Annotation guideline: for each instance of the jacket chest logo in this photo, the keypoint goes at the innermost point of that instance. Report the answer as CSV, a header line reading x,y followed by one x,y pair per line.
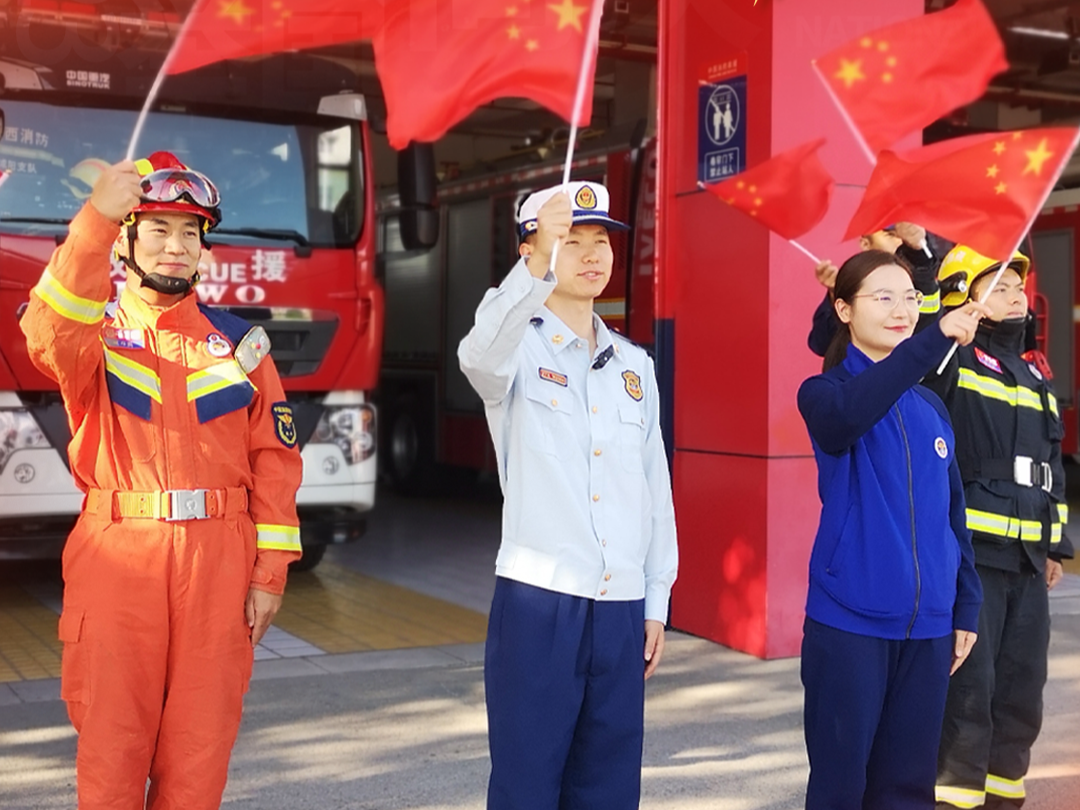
x,y
116,338
553,376
941,447
988,361
633,385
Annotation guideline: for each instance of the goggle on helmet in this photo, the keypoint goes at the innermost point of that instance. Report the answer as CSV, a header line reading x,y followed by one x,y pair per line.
x,y
169,185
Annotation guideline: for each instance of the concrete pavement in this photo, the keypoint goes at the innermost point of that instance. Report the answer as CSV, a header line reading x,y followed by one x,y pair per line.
x,y
384,730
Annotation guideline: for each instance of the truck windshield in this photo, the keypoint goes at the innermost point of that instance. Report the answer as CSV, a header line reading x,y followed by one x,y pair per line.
x,y
279,182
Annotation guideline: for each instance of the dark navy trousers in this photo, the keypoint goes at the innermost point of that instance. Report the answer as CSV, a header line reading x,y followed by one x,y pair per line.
x,y
565,682
873,711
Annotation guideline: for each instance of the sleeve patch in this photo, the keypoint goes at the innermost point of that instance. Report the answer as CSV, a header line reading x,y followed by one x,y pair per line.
x,y
284,423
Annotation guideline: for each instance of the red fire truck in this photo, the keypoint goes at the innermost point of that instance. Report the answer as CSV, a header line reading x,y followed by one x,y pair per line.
x,y
287,142
431,414
1054,243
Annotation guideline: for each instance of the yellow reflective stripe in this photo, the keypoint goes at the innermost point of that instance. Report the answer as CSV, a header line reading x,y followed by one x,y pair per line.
x,y
1053,404
1063,512
1055,534
214,378
282,538
138,377
143,167
959,797
989,523
995,389
67,304
930,304
1030,531
1009,788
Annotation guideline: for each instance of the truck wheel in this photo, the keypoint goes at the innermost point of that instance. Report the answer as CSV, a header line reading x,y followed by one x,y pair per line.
x,y
313,554
411,454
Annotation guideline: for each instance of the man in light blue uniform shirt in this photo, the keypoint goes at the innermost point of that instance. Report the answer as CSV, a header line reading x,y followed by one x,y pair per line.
x,y
588,552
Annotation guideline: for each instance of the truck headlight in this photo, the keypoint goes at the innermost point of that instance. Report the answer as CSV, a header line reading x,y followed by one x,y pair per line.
x,y
18,431
350,427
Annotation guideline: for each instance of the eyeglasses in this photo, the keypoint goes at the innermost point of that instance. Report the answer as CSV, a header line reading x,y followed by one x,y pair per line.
x,y
174,185
888,300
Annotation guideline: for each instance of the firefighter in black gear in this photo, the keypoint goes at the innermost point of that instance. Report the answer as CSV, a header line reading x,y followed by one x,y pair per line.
x,y
1008,446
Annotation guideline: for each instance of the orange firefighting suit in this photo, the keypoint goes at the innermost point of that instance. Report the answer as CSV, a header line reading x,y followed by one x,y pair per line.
x,y
157,650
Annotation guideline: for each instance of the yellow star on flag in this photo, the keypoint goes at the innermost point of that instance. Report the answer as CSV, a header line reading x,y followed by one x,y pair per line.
x,y
513,31
569,14
532,45
234,9
850,72
992,171
1000,188
999,147
1037,157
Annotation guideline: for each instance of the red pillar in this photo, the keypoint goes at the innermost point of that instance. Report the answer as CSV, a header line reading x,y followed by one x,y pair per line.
x,y
741,301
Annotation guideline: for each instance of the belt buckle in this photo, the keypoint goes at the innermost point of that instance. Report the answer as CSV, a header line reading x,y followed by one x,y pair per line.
x,y
187,504
1023,472
1046,476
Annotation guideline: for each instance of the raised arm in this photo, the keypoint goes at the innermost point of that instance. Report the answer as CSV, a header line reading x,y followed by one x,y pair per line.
x,y
488,354
63,321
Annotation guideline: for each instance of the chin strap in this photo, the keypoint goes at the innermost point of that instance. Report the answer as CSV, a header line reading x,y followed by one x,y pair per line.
x,y
166,285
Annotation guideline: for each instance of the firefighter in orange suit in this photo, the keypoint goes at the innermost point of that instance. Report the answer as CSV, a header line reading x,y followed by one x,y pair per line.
x,y
186,450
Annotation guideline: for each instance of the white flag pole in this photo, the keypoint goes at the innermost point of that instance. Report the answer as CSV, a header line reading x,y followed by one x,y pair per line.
x,y
1005,262
140,122
804,251
592,39
847,118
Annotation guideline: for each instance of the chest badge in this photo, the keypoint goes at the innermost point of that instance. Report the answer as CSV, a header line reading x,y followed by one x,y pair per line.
x,y
988,361
553,376
217,345
633,385
124,338
1035,371
284,423
941,447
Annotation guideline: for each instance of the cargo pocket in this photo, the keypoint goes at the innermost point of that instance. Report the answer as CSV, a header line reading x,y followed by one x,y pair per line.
x,y
75,664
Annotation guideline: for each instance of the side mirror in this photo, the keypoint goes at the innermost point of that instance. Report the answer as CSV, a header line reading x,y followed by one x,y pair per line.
x,y
419,197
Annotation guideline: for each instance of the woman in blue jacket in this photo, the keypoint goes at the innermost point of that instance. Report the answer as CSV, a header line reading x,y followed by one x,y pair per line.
x,y
894,597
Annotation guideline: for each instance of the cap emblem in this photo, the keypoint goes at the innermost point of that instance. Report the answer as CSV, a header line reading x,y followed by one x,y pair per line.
x,y
586,198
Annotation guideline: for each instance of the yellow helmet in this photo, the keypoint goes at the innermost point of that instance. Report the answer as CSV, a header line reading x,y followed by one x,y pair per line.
x,y
962,266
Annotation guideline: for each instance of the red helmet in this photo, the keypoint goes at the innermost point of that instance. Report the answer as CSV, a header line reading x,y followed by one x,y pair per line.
x,y
169,185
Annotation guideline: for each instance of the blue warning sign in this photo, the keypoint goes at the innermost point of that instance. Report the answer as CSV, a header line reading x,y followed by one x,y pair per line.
x,y
721,129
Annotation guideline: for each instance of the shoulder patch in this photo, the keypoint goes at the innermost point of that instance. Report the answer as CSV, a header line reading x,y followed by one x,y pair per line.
x,y
252,349
232,326
284,423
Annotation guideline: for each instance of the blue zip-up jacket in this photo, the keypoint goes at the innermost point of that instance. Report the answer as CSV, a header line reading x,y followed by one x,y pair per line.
x,y
892,557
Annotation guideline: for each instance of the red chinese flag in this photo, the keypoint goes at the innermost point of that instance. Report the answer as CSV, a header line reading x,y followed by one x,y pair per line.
x,y
438,60
982,190
900,78
788,193
229,29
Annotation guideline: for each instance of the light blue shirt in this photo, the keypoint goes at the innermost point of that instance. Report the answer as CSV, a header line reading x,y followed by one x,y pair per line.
x,y
585,480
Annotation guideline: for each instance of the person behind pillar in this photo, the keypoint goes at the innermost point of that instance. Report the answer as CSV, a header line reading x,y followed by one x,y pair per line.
x,y
186,451
893,600
904,239
588,553
1008,445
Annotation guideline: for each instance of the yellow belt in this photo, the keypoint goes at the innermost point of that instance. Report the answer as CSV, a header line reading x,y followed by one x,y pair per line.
x,y
170,505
